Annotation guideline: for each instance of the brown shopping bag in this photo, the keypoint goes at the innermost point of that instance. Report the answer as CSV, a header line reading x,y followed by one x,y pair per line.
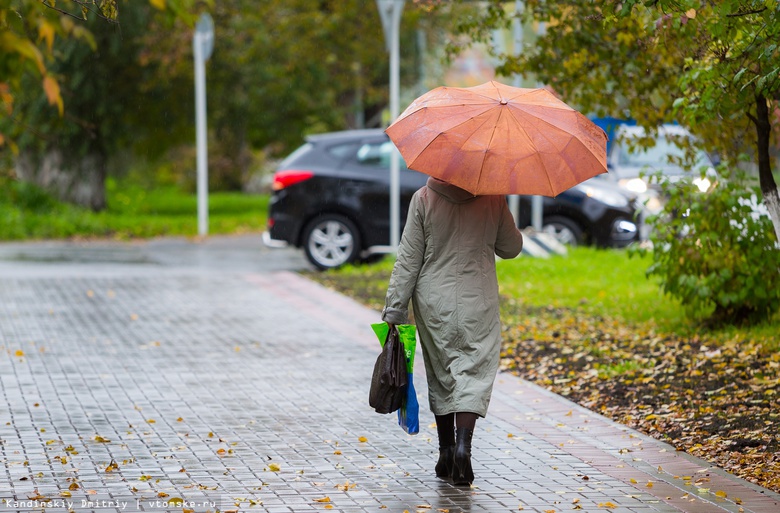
x,y
388,383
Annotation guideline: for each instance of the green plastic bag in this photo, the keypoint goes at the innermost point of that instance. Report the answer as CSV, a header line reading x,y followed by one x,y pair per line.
x,y
409,413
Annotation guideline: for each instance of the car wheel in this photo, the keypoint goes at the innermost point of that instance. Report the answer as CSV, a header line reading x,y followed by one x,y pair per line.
x,y
331,241
564,230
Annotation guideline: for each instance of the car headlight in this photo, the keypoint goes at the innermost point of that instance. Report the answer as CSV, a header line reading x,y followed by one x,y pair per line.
x,y
636,185
702,183
613,199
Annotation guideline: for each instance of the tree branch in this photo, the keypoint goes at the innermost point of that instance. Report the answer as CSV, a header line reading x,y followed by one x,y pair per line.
x,y
84,5
746,13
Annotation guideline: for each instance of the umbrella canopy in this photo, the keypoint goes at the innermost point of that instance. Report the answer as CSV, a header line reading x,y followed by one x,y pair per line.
x,y
498,139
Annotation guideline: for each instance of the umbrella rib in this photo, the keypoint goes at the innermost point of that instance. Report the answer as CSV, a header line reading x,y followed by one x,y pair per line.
x,y
489,144
410,164
556,127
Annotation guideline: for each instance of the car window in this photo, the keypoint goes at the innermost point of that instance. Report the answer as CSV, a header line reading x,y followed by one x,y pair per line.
x,y
342,150
377,154
294,155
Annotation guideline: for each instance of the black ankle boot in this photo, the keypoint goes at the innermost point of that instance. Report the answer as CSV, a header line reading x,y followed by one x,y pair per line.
x,y
444,465
462,474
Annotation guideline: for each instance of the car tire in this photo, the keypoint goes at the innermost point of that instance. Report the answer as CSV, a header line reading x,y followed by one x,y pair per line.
x,y
330,241
564,230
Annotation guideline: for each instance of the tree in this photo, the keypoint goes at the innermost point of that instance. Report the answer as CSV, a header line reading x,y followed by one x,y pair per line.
x,y
710,65
66,149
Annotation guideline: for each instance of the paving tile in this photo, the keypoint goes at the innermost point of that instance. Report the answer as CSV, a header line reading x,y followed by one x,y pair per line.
x,y
255,384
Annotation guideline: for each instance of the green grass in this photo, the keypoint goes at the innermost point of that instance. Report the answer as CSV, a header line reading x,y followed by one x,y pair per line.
x,y
133,212
594,283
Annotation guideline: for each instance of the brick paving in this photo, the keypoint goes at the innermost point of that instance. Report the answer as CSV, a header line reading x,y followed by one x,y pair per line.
x,y
126,385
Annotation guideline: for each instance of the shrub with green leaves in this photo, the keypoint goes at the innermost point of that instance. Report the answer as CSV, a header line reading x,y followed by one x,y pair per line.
x,y
716,251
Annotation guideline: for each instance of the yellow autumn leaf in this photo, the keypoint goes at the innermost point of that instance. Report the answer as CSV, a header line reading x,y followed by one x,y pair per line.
x,y
73,486
100,439
162,495
158,4
65,493
112,466
690,13
362,439
608,505
324,499
721,494
19,353
633,481
649,484
274,467
52,90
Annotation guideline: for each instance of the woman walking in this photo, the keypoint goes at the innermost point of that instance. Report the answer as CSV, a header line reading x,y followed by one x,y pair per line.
x,y
446,266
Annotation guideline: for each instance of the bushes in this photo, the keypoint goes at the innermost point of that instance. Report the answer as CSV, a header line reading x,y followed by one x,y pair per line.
x,y
716,252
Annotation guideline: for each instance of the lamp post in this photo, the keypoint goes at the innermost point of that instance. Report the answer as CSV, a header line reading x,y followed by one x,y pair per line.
x,y
390,13
202,46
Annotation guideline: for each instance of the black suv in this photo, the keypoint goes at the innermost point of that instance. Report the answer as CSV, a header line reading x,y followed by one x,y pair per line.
x,y
331,197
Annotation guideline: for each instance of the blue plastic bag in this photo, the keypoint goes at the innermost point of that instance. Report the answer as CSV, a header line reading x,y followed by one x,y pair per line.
x,y
409,414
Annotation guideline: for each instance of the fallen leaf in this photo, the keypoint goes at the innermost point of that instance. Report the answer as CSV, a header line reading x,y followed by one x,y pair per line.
x,y
324,499
274,467
362,439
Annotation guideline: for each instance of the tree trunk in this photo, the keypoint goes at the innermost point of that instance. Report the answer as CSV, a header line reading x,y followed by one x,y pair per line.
x,y
77,180
768,185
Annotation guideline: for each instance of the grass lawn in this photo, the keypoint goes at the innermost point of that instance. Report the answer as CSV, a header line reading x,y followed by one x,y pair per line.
x,y
28,213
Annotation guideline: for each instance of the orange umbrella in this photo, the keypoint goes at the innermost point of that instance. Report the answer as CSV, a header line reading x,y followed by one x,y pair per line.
x,y
498,139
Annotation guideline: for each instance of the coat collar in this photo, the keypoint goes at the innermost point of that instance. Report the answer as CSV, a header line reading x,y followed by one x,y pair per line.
x,y
450,192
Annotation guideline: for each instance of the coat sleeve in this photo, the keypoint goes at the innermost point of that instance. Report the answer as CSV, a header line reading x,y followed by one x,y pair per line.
x,y
407,266
509,240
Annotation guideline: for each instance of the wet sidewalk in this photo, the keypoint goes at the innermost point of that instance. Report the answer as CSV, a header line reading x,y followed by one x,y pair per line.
x,y
148,388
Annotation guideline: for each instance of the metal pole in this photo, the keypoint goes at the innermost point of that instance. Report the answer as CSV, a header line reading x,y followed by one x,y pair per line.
x,y
200,131
395,172
514,199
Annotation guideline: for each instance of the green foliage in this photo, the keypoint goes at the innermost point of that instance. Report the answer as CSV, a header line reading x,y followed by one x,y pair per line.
x,y
715,254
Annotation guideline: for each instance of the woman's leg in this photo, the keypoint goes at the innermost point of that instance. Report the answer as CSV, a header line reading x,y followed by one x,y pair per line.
x,y
462,473
445,427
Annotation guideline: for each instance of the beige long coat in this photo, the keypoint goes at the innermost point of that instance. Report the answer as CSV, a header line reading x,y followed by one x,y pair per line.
x,y
446,263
